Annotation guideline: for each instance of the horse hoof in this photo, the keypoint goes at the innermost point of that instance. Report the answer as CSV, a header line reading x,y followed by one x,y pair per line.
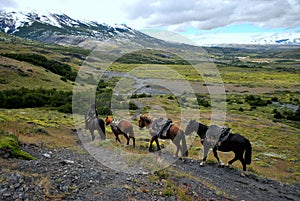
x,y
221,165
201,164
244,173
228,166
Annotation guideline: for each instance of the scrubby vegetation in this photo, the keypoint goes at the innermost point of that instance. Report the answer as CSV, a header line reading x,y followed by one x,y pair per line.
x,y
26,98
56,67
151,57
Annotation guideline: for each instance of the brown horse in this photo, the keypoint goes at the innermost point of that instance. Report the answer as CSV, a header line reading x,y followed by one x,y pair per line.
x,y
174,133
121,127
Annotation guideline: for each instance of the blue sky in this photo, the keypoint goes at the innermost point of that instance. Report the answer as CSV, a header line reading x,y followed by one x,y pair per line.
x,y
205,21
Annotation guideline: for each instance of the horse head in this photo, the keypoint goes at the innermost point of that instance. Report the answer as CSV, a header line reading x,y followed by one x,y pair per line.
x,y
191,127
108,120
144,121
200,128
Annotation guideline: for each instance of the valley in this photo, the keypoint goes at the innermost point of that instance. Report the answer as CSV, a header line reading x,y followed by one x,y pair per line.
x,y
44,108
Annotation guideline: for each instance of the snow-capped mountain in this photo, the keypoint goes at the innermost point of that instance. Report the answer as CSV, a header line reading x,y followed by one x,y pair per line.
x,y
62,29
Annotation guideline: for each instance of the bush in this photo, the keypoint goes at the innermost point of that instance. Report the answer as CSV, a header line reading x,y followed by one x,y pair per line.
x,y
25,98
278,115
133,106
256,101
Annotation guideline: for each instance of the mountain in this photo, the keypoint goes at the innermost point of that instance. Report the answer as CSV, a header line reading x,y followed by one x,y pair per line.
x,y
64,30
59,28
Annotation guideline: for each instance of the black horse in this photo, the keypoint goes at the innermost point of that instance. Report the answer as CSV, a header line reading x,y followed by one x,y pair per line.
x,y
95,124
231,142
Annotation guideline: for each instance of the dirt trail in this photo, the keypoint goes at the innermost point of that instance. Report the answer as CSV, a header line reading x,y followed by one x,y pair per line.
x,y
62,174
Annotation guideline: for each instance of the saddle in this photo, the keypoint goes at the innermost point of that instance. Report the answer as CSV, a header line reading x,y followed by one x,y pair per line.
x,y
160,126
215,135
115,125
224,135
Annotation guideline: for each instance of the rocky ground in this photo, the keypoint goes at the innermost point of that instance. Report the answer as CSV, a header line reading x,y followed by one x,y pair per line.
x,y
64,174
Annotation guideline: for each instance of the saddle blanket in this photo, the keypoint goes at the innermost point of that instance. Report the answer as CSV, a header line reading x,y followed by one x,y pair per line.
x,y
160,126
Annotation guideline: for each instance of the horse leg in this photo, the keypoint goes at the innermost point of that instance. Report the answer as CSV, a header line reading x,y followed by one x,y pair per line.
x,y
232,160
133,139
184,150
117,138
157,144
206,149
92,133
242,161
131,135
127,138
177,150
150,146
220,163
176,141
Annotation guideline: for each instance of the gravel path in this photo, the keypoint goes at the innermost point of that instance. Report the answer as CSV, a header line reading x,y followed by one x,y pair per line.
x,y
63,174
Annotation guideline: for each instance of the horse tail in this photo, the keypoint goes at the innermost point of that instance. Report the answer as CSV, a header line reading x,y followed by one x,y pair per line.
x,y
184,147
248,152
102,126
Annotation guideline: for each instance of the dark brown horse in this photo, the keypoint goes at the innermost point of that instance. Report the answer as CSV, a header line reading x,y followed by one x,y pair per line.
x,y
231,142
174,133
95,124
121,127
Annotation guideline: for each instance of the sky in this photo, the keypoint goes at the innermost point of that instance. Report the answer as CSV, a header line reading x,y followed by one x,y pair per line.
x,y
198,21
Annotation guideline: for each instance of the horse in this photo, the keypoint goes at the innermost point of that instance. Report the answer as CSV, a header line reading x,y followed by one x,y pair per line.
x,y
175,133
121,127
95,124
237,143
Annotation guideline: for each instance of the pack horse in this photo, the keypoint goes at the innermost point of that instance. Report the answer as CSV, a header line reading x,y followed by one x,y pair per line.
x,y
226,142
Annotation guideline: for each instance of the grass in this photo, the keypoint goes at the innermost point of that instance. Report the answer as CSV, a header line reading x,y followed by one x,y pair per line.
x,y
11,144
275,145
39,126
15,74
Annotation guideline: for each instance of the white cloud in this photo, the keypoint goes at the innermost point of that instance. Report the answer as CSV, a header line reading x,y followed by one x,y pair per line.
x,y
207,14
177,15
8,4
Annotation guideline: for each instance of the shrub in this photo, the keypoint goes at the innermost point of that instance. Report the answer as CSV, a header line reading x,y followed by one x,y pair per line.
x,y
9,146
24,98
256,101
133,106
278,115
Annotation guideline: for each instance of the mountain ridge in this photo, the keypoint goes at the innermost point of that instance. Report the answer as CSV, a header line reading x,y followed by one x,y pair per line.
x,y
64,30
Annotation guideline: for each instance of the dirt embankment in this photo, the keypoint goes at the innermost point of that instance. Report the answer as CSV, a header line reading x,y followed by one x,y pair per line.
x,y
62,174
